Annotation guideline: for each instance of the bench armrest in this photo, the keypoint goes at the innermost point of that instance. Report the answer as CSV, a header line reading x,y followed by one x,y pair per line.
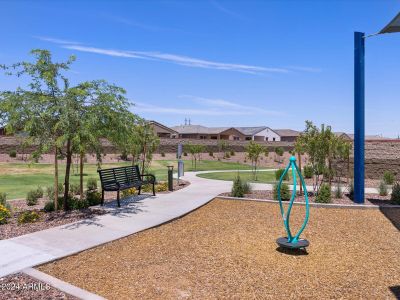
x,y
153,178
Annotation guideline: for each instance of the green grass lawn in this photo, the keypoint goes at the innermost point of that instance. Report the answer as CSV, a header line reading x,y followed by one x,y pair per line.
x,y
262,176
16,179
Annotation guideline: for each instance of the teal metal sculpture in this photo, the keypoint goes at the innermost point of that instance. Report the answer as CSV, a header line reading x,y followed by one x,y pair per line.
x,y
292,241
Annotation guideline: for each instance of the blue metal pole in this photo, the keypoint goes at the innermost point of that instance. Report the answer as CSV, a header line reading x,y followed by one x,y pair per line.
x,y
359,119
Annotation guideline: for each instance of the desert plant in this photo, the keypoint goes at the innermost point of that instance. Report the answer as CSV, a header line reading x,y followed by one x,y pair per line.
x,y
338,191
185,154
39,192
93,197
74,189
50,191
49,206
211,154
227,155
246,187
324,194
285,192
28,217
232,153
3,201
12,153
383,190
31,198
161,187
278,174
237,187
308,171
395,197
388,177
91,184
162,154
5,214
75,203
128,192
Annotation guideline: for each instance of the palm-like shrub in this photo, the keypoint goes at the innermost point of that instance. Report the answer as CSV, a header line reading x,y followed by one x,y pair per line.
x,y
324,194
383,191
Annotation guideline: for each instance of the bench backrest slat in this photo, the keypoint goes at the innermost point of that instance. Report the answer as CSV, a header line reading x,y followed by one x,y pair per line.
x,y
120,175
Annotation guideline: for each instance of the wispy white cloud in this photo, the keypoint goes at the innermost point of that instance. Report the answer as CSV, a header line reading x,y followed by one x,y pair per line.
x,y
304,69
231,106
178,59
55,40
227,11
175,58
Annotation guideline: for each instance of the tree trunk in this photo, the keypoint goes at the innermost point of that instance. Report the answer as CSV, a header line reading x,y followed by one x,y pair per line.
x,y
67,173
299,158
81,174
55,178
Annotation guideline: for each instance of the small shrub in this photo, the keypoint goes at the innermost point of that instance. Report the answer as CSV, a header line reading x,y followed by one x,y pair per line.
x,y
308,171
351,190
161,187
227,155
395,197
3,201
75,203
285,192
49,206
162,154
232,153
12,153
324,194
39,192
338,191
28,217
31,198
5,214
129,192
279,151
211,154
383,191
185,154
93,197
246,187
91,184
388,177
74,189
50,191
237,188
278,174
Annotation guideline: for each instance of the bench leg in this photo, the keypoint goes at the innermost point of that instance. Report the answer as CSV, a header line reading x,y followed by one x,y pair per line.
x,y
102,197
154,190
119,204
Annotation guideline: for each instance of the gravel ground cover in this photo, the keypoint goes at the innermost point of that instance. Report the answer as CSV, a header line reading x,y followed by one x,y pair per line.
x,y
370,199
227,250
21,286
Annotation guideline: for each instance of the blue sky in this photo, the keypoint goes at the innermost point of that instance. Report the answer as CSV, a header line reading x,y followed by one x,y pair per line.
x,y
220,63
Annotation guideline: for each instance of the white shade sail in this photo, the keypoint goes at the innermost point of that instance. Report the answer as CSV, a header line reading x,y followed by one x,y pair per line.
x,y
393,26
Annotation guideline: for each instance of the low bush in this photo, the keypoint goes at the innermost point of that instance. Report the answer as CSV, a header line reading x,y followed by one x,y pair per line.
x,y
227,155
12,153
3,201
351,190
93,197
161,187
32,198
185,154
75,203
232,153
91,184
388,177
28,217
285,192
162,154
74,189
39,192
5,214
395,197
278,174
50,191
383,190
338,191
237,187
129,192
324,194
308,171
211,154
49,206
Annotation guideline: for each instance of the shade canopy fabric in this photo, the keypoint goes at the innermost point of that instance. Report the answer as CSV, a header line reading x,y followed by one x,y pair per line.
x,y
393,26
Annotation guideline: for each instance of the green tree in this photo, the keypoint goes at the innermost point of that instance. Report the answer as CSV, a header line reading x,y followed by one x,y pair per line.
x,y
195,151
37,108
254,152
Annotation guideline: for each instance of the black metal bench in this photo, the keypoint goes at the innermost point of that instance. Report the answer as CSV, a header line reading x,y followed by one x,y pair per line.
x,y
123,178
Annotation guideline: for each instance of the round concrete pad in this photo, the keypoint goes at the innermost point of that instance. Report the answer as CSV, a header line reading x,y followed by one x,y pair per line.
x,y
283,242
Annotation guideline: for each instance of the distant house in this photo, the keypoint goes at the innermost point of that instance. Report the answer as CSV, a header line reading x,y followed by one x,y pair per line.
x,y
163,131
261,133
373,137
343,135
212,133
287,135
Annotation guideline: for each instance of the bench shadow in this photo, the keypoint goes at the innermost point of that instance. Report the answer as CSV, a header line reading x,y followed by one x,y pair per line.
x,y
129,205
392,214
395,290
86,222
